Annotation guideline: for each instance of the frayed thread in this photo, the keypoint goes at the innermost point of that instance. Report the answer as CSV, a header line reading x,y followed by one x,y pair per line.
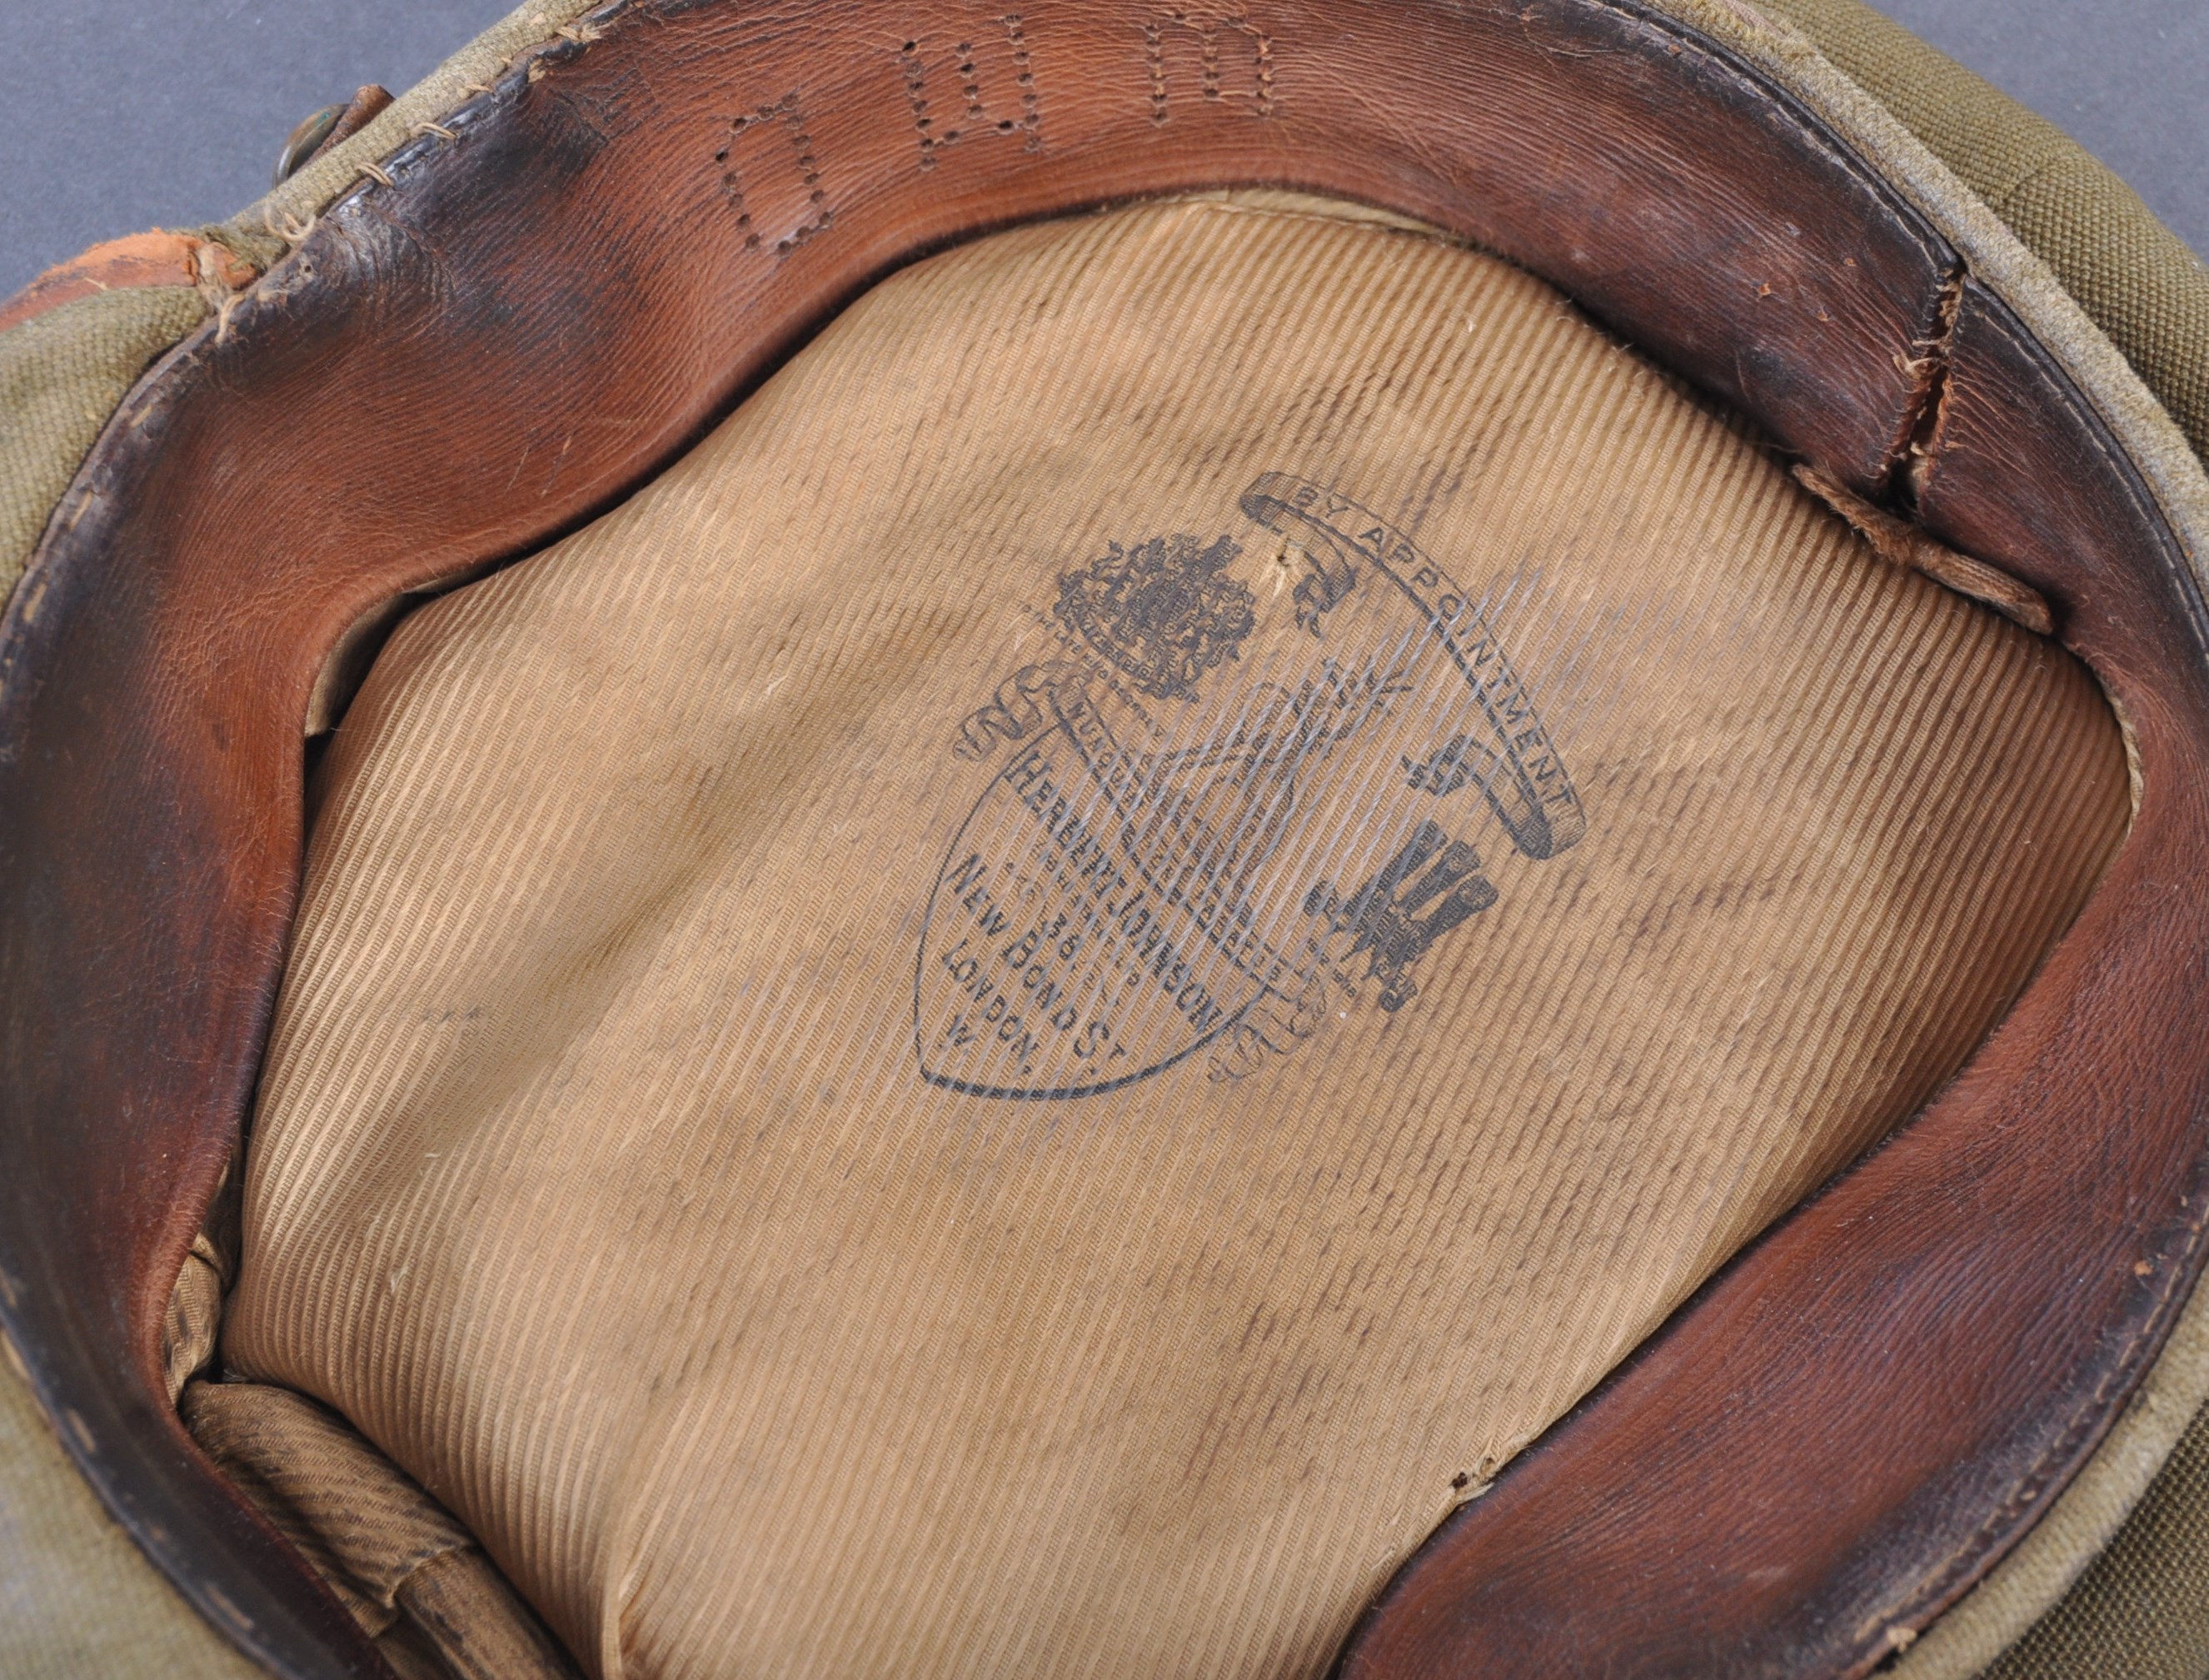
x,y
1899,543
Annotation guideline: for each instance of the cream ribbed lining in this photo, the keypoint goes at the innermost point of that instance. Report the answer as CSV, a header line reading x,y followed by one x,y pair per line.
x,y
595,1176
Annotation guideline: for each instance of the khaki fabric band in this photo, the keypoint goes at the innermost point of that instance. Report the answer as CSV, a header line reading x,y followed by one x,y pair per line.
x,y
77,1599
2137,279
2141,1609
62,375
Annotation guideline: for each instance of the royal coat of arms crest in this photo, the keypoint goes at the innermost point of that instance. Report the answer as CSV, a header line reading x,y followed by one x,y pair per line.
x,y
1218,823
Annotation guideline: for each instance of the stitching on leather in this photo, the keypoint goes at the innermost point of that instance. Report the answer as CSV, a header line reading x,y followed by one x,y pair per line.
x,y
1902,476
1024,78
530,64
1154,59
969,88
789,112
2064,1455
913,67
916,94
1211,76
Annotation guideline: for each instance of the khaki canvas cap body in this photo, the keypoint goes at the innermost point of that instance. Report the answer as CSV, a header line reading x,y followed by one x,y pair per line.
x,y
70,1548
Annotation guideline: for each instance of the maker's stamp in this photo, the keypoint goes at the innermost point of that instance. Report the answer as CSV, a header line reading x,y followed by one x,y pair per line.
x,y
1239,793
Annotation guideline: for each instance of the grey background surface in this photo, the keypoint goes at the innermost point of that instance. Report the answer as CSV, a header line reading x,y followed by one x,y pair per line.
x,y
121,115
